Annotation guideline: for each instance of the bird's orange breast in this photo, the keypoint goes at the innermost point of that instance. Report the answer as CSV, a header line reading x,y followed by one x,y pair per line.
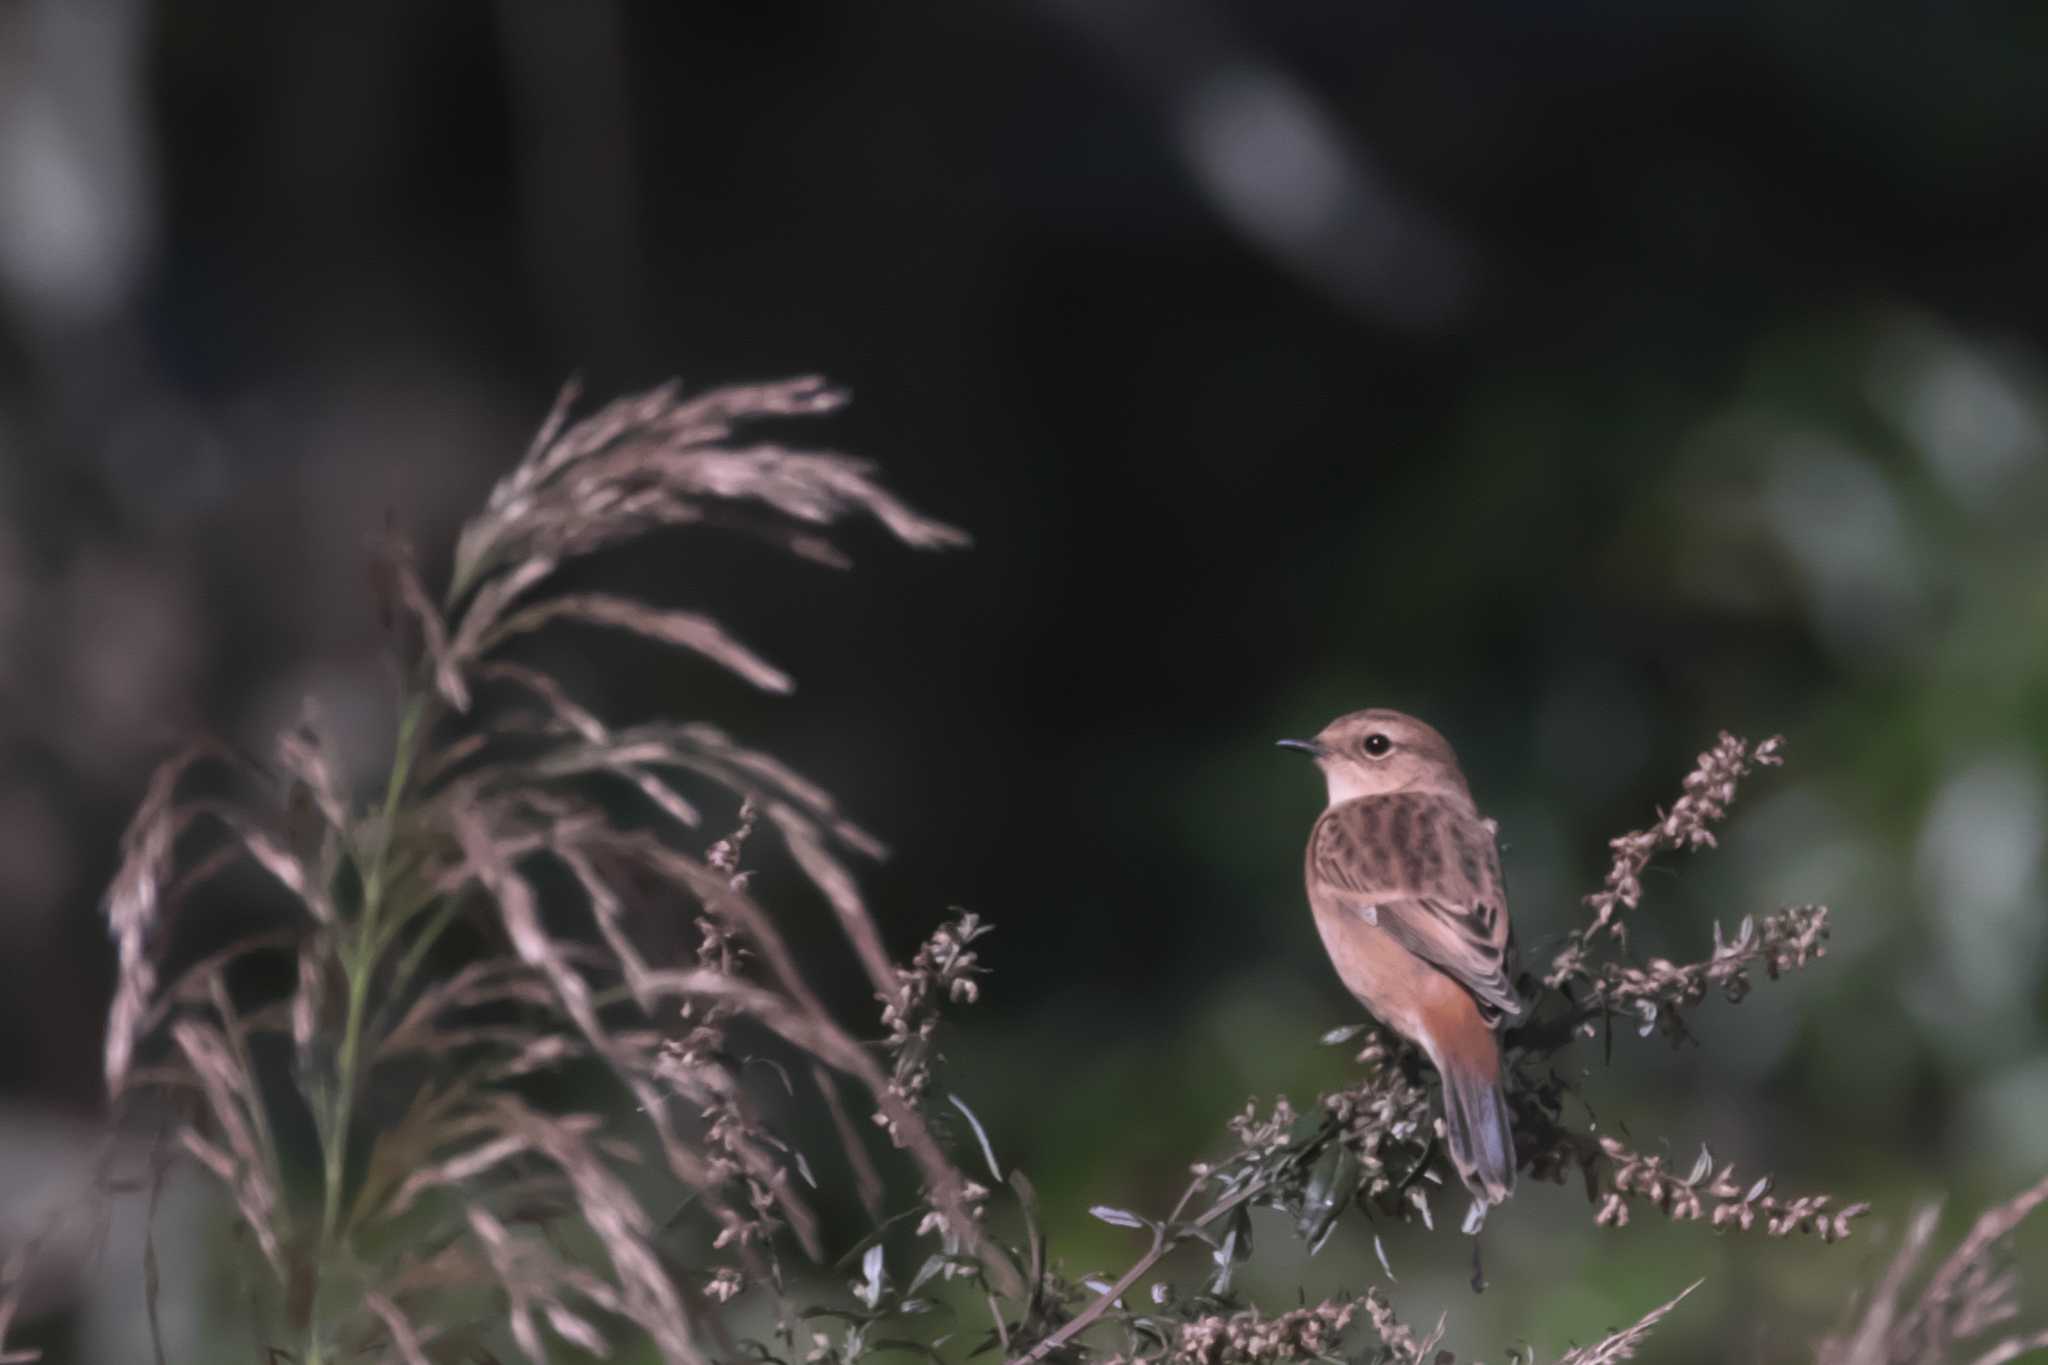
x,y
1389,980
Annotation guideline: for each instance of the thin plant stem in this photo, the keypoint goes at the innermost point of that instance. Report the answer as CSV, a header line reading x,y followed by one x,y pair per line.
x,y
416,952
1165,1238
359,964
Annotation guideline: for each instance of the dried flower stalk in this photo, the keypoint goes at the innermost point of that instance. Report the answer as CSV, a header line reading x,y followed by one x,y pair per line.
x,y
484,796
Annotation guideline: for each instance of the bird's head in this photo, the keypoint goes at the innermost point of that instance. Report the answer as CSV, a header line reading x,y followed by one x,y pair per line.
x,y
1373,753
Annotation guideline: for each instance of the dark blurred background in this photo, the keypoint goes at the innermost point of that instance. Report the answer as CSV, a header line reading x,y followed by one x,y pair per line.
x,y
1584,379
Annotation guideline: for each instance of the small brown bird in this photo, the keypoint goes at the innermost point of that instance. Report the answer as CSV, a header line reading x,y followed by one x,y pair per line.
x,y
1405,883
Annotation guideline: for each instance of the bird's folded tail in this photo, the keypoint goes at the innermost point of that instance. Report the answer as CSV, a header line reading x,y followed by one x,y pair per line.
x,y
1476,1116
1482,1138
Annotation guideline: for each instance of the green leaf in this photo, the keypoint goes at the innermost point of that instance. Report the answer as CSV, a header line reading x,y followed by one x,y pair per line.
x,y
933,1264
869,1288
881,1230
1330,1187
1118,1218
1235,1248
988,1153
1027,1200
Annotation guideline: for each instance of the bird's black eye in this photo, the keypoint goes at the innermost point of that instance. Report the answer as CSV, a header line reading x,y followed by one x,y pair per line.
x,y
1378,745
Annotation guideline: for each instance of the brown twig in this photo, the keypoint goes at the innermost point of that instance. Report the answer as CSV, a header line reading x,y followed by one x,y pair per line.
x,y
1165,1237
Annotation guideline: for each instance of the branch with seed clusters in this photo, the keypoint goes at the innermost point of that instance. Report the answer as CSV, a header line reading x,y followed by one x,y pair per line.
x,y
1660,991
1377,1142
1247,1337
1708,792
1590,985
1712,1193
943,971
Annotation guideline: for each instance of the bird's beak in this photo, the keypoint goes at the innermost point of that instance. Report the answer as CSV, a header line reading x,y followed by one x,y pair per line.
x,y
1307,746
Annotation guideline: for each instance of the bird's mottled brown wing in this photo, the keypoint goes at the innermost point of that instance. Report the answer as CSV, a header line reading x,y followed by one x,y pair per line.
x,y
1427,873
